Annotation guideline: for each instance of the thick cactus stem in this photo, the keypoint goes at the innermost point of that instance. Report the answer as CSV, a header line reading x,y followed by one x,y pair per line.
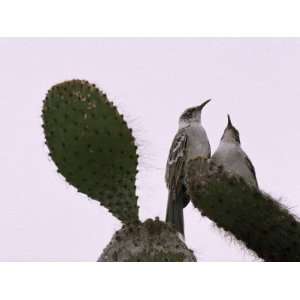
x,y
92,146
151,241
253,217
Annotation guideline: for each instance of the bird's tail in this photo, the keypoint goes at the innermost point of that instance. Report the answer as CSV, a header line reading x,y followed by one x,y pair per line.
x,y
175,212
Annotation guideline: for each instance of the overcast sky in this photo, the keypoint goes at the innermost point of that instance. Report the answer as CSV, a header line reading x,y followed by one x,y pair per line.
x,y
152,81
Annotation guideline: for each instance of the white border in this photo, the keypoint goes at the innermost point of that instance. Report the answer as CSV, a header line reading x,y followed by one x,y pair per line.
x,y
148,281
155,18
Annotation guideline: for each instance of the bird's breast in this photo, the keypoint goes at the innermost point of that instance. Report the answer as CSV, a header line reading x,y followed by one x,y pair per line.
x,y
233,160
198,144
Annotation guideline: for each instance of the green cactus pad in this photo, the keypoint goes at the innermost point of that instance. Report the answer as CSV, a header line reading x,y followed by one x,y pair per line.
x,y
92,146
253,217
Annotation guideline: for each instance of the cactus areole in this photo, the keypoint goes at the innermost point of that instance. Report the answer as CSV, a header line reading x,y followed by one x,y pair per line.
x,y
92,146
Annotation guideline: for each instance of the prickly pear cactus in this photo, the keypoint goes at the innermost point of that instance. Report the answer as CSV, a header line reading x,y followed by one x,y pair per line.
x,y
92,146
151,241
262,223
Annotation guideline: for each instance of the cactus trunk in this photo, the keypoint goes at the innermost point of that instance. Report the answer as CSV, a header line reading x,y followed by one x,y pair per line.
x,y
151,241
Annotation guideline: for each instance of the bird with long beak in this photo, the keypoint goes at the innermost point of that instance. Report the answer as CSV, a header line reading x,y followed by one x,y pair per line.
x,y
232,157
191,141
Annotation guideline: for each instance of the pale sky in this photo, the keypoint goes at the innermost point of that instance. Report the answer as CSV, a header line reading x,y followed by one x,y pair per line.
x,y
152,81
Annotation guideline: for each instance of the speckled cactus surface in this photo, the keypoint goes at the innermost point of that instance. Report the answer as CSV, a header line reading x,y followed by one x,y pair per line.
x,y
151,241
92,146
253,217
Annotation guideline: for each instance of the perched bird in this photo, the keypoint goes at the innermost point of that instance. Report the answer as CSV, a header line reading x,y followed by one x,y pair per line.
x,y
190,142
231,156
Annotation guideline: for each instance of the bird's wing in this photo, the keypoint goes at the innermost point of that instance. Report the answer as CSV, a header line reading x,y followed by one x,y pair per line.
x,y
176,160
251,168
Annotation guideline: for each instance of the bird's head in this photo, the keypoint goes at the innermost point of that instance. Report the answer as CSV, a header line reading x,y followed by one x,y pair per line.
x,y
192,115
231,134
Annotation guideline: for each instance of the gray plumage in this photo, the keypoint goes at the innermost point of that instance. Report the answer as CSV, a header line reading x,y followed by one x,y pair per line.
x,y
232,157
191,141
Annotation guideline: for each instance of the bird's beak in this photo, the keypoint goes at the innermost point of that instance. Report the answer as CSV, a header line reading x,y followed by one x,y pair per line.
x,y
203,104
229,122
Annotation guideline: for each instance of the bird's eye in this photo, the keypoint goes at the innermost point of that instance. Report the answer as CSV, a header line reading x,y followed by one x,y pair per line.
x,y
190,113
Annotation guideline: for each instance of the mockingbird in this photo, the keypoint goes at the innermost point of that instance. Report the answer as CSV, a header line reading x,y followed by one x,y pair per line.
x,y
231,156
190,142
